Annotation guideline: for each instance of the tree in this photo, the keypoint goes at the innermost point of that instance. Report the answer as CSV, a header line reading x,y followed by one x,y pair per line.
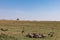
x,y
17,19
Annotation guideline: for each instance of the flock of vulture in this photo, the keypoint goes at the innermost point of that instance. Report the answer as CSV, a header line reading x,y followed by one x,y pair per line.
x,y
37,35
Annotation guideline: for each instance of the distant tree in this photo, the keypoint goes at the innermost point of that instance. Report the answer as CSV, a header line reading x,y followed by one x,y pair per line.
x,y
17,19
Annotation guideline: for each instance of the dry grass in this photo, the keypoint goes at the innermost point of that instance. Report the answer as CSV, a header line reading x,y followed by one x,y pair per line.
x,y
15,28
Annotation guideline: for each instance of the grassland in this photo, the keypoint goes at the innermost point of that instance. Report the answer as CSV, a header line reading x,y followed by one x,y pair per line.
x,y
15,28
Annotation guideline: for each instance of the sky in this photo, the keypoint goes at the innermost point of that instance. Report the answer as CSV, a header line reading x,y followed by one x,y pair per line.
x,y
30,9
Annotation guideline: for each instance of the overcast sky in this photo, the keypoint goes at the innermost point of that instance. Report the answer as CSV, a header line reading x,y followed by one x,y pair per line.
x,y
30,9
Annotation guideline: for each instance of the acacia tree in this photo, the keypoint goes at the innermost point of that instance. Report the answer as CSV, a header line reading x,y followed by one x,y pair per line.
x,y
17,19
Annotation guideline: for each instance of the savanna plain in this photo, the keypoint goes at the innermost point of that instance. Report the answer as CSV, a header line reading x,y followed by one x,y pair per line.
x,y
12,29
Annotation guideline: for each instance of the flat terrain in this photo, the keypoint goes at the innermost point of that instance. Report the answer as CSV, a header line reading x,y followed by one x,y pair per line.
x,y
15,27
